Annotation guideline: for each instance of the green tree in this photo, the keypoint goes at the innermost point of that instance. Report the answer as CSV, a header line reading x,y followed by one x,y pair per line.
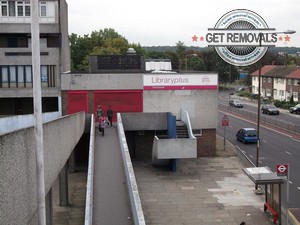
x,y
196,63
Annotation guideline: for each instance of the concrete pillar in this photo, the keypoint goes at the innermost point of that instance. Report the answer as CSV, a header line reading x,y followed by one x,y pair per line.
x,y
49,208
63,186
72,162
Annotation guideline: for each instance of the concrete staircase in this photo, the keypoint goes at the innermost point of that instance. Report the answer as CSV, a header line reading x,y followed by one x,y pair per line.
x,y
181,130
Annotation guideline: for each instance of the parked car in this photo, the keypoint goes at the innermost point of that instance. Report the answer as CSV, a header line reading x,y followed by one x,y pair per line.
x,y
295,109
270,109
236,103
247,135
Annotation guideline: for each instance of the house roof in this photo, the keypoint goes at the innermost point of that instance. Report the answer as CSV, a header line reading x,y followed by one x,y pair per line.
x,y
264,69
279,71
295,74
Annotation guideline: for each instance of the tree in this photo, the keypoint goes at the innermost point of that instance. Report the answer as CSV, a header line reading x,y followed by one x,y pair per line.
x,y
196,63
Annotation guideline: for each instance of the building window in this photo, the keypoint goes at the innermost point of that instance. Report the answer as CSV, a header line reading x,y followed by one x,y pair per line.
x,y
296,82
269,79
43,9
289,81
281,81
275,92
281,93
12,76
268,92
11,8
16,42
4,7
295,96
28,76
21,76
4,76
23,8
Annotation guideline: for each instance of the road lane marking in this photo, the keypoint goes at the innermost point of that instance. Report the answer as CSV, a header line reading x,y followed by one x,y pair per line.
x,y
288,153
290,182
295,140
251,156
298,188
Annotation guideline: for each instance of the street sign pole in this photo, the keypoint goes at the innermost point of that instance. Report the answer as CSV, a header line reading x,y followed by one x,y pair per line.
x,y
224,138
287,193
225,123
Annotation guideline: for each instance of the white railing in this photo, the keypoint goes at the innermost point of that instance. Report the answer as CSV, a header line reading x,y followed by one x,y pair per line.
x,y
90,177
186,119
135,202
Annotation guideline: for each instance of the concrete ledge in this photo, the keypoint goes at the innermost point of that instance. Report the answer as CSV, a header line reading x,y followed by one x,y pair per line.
x,y
179,148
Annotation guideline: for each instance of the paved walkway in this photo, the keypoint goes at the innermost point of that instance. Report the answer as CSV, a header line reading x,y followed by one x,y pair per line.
x,y
111,198
203,191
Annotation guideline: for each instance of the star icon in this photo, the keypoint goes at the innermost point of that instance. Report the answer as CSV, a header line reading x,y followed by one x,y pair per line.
x,y
280,38
201,38
287,38
194,38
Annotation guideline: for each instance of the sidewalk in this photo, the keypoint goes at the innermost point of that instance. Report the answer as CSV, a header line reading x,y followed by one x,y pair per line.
x,y
203,191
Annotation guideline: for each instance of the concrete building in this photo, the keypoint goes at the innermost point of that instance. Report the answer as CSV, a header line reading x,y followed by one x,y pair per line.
x,y
278,82
132,90
15,55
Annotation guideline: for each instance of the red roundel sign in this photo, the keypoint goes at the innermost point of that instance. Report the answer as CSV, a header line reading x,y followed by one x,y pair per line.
x,y
225,121
282,169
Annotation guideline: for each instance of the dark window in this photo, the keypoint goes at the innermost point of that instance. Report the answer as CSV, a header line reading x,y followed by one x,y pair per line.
x,y
119,62
12,42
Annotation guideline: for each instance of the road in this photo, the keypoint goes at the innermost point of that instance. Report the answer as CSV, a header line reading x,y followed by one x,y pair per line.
x,y
276,146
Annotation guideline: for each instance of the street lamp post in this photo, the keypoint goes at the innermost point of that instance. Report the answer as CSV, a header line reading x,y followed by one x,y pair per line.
x,y
186,58
259,93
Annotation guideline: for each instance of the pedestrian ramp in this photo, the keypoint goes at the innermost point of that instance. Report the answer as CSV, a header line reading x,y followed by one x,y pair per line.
x,y
111,204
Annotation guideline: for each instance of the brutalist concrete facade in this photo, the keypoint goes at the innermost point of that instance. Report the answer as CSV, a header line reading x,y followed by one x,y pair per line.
x,y
15,56
201,104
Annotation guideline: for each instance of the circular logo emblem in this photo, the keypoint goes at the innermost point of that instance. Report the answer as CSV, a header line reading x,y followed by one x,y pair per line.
x,y
238,36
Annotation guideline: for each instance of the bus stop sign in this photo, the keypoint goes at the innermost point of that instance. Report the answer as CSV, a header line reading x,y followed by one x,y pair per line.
x,y
225,121
282,169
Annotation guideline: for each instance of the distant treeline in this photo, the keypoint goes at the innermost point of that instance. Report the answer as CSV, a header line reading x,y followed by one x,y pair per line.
x,y
288,50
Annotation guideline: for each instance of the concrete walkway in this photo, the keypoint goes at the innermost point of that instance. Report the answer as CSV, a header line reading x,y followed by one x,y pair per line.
x,y
111,198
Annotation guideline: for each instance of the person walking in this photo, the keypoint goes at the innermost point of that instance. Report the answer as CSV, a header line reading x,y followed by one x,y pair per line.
x,y
102,124
99,112
109,114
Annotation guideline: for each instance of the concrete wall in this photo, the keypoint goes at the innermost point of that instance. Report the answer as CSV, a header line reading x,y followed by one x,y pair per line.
x,y
200,104
124,81
144,121
18,194
9,124
65,43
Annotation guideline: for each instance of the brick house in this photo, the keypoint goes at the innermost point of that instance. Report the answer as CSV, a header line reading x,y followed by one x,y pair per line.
x,y
278,82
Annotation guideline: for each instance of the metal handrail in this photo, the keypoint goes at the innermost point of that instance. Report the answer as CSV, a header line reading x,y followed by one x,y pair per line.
x,y
90,177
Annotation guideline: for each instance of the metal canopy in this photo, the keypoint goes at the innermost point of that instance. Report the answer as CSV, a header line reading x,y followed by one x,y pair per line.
x,y
263,175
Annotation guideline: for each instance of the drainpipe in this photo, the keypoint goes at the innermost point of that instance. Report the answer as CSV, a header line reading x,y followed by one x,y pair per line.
x,y
37,100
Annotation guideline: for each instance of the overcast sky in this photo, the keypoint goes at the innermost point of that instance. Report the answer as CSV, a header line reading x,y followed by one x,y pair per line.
x,y
166,22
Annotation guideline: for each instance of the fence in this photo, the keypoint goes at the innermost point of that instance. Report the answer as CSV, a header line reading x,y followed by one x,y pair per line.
x,y
264,120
